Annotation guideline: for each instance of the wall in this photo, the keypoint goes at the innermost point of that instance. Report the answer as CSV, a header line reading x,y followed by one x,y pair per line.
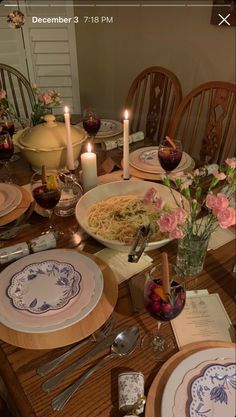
x,y
178,38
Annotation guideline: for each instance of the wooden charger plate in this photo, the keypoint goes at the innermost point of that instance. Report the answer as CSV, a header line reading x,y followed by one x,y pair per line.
x,y
19,210
77,331
153,405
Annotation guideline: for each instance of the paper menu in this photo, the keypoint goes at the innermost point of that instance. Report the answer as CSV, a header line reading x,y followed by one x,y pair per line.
x,y
203,318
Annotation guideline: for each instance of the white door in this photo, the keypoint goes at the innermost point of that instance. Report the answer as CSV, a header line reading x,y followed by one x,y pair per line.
x,y
45,53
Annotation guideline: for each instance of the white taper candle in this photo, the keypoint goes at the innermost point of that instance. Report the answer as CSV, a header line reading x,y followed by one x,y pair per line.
x,y
70,155
126,146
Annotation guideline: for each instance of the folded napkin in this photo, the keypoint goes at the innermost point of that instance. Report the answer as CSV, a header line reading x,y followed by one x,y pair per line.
x,y
118,141
118,262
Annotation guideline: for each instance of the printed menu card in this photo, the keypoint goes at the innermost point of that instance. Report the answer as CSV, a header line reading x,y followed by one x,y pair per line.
x,y
203,318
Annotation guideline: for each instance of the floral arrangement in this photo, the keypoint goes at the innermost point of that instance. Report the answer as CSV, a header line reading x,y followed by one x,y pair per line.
x,y
215,201
44,102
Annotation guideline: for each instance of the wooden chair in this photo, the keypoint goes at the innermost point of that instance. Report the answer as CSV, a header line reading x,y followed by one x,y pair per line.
x,y
19,91
152,100
205,122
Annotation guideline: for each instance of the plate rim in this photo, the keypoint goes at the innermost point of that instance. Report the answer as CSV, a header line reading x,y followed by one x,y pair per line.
x,y
64,323
15,202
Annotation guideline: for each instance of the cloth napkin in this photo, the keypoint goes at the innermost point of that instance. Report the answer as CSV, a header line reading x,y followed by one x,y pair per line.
x,y
118,262
118,141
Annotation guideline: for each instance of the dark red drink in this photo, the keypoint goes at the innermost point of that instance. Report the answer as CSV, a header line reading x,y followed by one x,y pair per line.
x,y
169,158
161,306
92,126
9,127
46,198
6,150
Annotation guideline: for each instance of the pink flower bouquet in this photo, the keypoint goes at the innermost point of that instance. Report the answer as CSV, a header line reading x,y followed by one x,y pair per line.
x,y
178,222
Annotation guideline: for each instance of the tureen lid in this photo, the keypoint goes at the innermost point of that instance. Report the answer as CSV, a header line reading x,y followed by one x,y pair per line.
x,y
50,135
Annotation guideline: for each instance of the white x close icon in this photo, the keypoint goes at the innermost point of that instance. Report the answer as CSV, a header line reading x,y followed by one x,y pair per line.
x,y
224,19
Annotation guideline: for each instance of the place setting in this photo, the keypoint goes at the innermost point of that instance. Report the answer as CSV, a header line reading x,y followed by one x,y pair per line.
x,y
151,162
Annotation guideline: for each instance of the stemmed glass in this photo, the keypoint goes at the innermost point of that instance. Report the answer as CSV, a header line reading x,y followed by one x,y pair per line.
x,y
7,124
46,190
91,122
162,307
169,154
6,152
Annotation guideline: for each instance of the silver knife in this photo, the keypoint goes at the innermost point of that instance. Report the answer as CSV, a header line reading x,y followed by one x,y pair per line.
x,y
51,383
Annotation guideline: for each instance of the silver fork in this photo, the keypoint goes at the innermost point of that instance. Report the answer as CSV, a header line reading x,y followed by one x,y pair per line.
x,y
98,335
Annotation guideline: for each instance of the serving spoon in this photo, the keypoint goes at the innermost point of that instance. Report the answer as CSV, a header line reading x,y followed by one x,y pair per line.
x,y
124,343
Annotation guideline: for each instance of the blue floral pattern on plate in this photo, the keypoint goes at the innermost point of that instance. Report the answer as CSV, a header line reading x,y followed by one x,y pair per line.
x,y
44,286
212,394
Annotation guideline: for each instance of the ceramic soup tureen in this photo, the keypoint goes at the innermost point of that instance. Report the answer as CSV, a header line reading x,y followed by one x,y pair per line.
x,y
46,143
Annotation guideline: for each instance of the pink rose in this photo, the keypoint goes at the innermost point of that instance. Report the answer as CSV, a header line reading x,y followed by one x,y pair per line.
x,y
149,195
167,222
226,217
216,202
231,162
2,94
219,175
176,175
159,203
180,214
47,99
176,233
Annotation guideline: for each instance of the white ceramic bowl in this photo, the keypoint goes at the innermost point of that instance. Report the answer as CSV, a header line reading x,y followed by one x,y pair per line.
x,y
105,191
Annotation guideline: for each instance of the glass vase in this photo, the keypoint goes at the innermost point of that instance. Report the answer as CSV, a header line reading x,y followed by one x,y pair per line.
x,y
191,254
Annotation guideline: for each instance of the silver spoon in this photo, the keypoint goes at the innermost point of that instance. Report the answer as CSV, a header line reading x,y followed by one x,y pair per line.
x,y
124,343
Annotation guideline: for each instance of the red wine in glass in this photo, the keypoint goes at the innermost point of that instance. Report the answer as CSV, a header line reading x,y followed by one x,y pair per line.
x,y
91,122
161,306
92,126
169,158
6,150
46,198
7,125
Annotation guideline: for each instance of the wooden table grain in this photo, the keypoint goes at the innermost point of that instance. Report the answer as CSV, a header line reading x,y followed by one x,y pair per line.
x,y
99,395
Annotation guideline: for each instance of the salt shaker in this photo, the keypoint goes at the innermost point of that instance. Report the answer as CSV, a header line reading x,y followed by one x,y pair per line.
x,y
131,392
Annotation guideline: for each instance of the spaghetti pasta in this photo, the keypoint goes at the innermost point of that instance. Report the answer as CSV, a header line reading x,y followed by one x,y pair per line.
x,y
119,218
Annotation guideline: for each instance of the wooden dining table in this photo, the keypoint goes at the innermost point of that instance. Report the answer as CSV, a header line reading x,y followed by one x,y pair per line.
x,y
99,395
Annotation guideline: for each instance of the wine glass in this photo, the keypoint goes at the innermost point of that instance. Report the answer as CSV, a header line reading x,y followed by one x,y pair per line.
x,y
163,307
46,190
7,124
169,154
6,152
91,122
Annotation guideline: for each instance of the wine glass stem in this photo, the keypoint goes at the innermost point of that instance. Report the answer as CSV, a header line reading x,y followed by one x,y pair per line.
x,y
51,225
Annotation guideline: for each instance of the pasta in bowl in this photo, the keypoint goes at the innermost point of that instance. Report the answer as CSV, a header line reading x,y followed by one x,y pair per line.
x,y
112,213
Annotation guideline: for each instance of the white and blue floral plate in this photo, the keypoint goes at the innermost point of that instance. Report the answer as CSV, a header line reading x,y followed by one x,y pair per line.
x,y
49,291
44,286
202,385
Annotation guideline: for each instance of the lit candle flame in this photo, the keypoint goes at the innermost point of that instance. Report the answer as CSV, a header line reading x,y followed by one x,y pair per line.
x,y
89,147
66,109
126,114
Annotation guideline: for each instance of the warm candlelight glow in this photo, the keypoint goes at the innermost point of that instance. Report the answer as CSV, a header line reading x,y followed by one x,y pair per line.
x,y
66,109
126,114
89,147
